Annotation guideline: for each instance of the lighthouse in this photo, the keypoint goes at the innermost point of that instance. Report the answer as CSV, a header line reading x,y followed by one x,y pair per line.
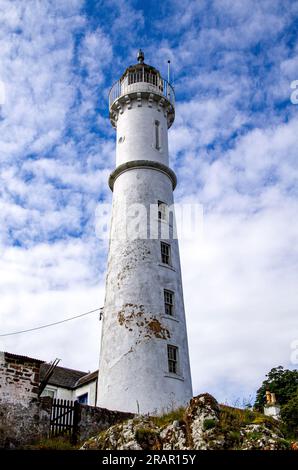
x,y
144,360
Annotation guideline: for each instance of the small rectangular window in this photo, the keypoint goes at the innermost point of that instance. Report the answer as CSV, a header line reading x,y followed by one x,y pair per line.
x,y
157,134
169,302
162,211
165,253
173,359
83,399
48,392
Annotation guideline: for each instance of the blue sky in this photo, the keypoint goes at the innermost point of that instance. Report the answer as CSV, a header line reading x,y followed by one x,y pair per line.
x,y
233,146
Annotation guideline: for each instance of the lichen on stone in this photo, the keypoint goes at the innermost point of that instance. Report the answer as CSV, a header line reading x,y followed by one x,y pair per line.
x,y
203,426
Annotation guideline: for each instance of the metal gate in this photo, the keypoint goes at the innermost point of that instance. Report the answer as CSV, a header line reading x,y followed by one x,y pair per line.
x,y
64,419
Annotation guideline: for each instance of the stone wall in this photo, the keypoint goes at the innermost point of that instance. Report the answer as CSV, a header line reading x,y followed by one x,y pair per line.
x,y
93,420
19,378
25,418
21,425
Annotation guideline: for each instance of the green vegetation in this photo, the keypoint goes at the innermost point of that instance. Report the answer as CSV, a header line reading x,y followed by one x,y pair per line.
x,y
168,418
264,420
236,417
289,416
209,424
284,383
148,438
234,437
232,420
145,434
53,443
254,435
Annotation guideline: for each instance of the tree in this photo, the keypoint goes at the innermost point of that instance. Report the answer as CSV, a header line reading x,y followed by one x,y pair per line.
x,y
289,416
282,382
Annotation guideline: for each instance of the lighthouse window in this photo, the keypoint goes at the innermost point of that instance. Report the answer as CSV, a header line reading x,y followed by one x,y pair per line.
x,y
165,253
169,302
173,359
162,211
157,134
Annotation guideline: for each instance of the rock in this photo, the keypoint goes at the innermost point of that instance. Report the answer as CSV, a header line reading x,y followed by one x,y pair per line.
x,y
202,427
173,437
134,434
259,437
202,417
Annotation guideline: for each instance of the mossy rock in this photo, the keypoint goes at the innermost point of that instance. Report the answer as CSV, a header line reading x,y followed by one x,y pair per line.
x,y
209,424
148,438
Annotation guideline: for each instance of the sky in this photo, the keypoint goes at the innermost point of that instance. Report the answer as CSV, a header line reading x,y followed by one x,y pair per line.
x,y
233,147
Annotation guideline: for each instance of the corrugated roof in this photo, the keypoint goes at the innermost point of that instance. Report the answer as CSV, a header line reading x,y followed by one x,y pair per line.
x,y
62,377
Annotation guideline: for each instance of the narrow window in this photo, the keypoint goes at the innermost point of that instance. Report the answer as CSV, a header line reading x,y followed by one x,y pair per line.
x,y
173,359
165,253
169,302
83,399
157,134
162,211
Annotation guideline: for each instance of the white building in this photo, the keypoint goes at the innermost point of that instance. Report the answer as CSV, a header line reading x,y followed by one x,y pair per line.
x,y
144,360
24,378
70,384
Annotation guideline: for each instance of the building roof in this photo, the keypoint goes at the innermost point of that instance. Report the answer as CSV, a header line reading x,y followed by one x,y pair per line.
x,y
62,377
87,378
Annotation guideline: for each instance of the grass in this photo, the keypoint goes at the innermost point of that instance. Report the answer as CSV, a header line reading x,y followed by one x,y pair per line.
x,y
53,443
255,435
238,418
144,434
232,420
234,437
209,424
168,418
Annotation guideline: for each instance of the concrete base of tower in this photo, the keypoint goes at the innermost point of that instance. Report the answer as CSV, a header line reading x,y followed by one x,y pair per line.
x,y
153,409
139,398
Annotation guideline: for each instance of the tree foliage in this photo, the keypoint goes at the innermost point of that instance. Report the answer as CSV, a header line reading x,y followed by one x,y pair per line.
x,y
289,416
282,382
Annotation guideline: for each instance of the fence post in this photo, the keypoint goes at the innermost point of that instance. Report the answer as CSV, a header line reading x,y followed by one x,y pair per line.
x,y
76,420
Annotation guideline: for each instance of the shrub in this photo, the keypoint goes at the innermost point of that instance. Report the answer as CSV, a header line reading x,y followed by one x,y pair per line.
x,y
234,437
209,424
289,415
282,382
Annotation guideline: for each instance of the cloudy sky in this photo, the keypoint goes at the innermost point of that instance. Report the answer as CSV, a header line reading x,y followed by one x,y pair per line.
x,y
234,147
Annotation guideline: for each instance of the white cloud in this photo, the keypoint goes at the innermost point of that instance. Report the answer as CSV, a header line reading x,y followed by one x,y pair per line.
x,y
240,279
48,283
234,151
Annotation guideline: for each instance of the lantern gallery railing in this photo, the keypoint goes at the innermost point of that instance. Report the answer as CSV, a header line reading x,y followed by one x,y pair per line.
x,y
142,81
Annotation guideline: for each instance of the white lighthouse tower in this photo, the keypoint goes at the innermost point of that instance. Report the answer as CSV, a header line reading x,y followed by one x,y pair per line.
x,y
144,360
